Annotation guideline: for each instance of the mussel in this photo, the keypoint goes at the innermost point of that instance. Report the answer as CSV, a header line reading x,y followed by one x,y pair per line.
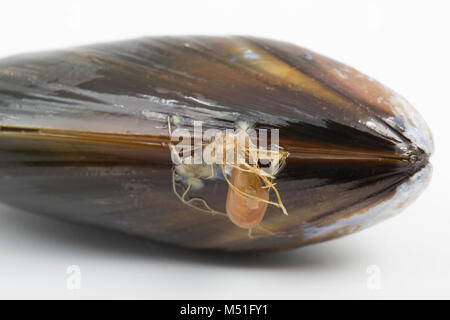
x,y
88,135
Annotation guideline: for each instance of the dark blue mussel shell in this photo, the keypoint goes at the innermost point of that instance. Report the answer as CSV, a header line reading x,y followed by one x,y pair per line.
x,y
84,137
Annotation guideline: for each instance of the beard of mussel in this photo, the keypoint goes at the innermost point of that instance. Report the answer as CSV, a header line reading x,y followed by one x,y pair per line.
x,y
249,184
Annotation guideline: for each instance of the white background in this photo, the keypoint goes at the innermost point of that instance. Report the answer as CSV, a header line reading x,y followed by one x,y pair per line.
x,y
404,44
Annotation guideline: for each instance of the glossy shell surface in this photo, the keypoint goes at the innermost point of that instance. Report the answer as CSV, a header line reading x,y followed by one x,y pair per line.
x,y
83,137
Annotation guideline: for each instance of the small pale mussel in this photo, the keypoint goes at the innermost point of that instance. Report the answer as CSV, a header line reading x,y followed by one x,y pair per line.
x,y
116,136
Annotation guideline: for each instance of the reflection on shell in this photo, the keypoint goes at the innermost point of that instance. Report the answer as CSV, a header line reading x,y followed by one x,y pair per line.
x,y
84,136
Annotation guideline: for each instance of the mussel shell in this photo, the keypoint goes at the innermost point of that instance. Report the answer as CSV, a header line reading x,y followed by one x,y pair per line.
x,y
84,137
